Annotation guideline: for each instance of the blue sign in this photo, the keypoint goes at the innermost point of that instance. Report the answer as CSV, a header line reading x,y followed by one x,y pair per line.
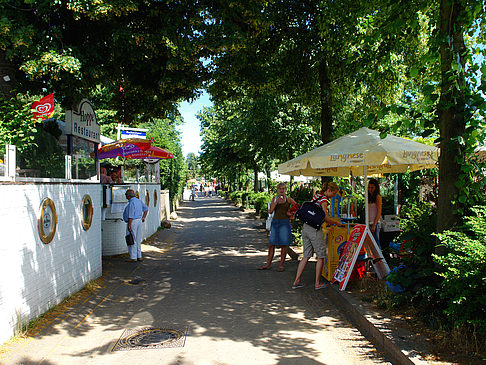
x,y
133,134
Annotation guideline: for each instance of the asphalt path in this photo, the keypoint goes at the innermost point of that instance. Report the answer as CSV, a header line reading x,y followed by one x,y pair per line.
x,y
199,281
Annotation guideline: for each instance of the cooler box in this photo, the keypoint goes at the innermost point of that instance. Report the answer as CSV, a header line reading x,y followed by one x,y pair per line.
x,y
391,223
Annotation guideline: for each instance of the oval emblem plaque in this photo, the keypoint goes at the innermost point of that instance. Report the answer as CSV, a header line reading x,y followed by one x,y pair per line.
x,y
47,222
86,212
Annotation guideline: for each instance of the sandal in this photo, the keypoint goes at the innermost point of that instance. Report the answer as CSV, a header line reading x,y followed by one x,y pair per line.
x,y
322,286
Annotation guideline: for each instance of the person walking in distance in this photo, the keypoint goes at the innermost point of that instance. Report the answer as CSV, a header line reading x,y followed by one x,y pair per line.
x,y
314,240
280,232
134,215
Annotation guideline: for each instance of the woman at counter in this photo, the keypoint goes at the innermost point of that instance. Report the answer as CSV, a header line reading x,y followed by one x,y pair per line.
x,y
374,209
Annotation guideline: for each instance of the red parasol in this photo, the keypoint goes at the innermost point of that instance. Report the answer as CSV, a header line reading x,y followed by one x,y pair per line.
x,y
123,148
151,152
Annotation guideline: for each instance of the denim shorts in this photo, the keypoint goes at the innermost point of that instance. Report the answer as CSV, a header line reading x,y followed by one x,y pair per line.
x,y
280,233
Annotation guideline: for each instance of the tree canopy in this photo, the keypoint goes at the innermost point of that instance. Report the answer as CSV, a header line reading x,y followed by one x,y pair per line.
x,y
146,54
280,72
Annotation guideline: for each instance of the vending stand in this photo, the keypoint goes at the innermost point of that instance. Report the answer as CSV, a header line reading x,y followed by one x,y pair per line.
x,y
342,209
363,152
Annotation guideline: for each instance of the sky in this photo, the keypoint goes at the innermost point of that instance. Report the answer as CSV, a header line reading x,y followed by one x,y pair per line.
x,y
191,140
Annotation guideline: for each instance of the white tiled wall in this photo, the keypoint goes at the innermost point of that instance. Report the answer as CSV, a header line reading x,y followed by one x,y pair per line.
x,y
113,228
35,276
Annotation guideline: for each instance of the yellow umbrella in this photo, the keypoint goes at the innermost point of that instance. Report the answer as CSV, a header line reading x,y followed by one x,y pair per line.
x,y
363,148
364,153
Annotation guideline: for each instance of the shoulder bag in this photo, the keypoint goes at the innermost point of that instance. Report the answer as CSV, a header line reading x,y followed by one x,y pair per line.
x,y
312,214
129,239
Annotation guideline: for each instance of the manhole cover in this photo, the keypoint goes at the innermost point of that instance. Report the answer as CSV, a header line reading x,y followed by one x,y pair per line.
x,y
150,338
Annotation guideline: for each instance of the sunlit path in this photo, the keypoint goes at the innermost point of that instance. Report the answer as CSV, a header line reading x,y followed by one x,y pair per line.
x,y
201,277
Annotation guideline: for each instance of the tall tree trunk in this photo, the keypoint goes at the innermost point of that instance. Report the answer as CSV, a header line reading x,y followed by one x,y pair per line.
x,y
255,179
326,107
326,102
269,176
450,112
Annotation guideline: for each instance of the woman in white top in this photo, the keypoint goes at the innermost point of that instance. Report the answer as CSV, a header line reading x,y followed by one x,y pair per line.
x,y
374,208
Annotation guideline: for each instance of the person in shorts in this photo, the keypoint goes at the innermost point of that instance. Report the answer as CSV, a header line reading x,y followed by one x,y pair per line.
x,y
314,240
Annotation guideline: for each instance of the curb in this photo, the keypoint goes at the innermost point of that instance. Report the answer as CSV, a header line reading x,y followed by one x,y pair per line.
x,y
358,313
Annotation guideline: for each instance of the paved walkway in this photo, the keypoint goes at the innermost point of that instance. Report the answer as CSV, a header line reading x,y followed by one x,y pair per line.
x,y
199,279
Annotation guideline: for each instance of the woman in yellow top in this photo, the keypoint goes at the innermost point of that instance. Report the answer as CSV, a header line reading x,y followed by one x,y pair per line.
x,y
280,232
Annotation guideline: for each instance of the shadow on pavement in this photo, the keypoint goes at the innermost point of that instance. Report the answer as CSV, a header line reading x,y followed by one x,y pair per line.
x,y
207,281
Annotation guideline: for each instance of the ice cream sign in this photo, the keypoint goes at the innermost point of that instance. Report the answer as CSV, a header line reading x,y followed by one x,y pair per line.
x,y
82,122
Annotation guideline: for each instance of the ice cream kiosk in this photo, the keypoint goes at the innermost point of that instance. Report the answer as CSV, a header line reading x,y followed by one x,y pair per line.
x,y
342,209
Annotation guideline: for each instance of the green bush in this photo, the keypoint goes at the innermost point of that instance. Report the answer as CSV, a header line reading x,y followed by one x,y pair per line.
x,y
418,222
260,202
296,232
301,194
418,277
235,196
245,199
463,270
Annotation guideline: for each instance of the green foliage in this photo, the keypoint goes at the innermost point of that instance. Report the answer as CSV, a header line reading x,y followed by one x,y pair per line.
x,y
17,126
417,276
235,196
193,167
463,269
154,50
418,222
259,202
45,153
172,171
301,194
36,141
228,129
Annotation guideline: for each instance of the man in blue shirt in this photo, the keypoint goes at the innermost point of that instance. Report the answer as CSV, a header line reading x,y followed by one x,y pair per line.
x,y
134,214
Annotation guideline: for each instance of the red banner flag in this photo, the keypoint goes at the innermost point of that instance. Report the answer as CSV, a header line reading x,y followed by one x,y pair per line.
x,y
44,108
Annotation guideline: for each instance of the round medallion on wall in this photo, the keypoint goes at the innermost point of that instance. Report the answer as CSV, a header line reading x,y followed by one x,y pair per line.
x,y
155,197
86,212
47,222
147,198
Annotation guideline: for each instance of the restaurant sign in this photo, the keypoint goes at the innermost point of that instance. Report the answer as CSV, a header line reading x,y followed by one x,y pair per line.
x,y
82,122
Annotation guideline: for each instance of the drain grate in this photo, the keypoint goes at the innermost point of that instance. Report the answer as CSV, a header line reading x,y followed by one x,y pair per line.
x,y
150,338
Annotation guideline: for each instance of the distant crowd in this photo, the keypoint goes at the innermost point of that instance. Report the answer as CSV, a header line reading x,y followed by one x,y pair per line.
x,y
204,189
